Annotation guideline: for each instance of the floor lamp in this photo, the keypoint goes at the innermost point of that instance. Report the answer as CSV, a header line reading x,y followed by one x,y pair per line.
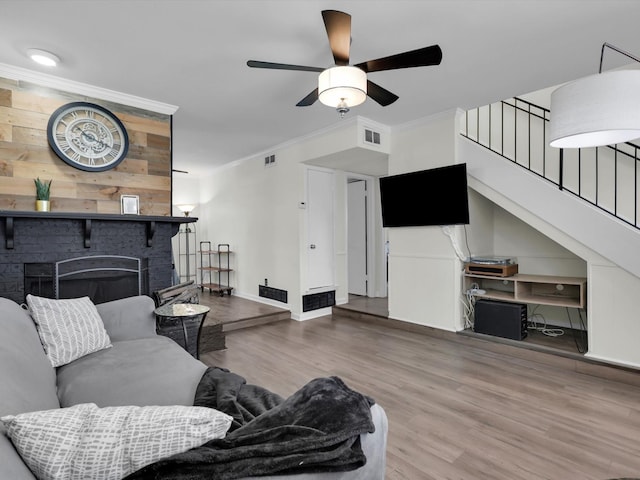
x,y
186,210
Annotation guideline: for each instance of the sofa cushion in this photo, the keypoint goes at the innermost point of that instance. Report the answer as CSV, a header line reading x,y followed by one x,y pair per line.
x,y
146,371
128,318
11,465
27,380
68,328
85,441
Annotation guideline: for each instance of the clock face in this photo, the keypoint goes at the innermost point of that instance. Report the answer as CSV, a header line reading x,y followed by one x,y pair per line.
x,y
87,136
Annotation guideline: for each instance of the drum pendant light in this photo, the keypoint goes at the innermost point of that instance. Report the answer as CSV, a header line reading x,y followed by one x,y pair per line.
x,y
602,109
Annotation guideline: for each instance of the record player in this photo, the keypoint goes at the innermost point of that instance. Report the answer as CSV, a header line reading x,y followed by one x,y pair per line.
x,y
491,266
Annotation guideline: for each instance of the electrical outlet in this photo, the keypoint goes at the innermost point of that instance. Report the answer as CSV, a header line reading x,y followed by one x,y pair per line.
x,y
476,291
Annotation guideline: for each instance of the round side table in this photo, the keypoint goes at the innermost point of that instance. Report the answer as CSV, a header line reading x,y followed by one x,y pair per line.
x,y
188,315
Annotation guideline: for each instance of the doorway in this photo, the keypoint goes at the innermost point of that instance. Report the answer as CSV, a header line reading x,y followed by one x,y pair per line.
x,y
357,237
320,216
366,267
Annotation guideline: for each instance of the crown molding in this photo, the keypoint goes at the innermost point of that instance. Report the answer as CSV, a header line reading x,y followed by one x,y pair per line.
x,y
58,83
342,123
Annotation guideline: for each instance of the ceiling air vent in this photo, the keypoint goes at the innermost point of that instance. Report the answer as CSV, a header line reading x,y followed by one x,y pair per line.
x,y
371,137
269,161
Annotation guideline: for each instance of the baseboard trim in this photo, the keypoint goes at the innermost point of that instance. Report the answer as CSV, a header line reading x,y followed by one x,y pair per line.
x,y
259,299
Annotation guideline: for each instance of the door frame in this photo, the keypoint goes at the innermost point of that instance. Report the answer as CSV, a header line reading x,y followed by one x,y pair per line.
x,y
306,279
357,208
372,241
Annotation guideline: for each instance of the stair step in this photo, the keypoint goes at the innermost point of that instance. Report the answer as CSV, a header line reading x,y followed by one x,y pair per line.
x,y
356,314
254,321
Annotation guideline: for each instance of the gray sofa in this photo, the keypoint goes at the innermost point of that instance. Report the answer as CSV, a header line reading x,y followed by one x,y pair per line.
x,y
141,368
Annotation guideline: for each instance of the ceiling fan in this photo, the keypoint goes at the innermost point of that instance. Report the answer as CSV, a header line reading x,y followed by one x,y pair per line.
x,y
344,86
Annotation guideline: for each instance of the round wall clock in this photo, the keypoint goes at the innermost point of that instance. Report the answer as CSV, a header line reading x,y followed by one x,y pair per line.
x,y
87,136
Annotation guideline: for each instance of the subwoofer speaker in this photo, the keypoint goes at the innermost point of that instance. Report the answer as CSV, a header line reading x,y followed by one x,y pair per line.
x,y
501,319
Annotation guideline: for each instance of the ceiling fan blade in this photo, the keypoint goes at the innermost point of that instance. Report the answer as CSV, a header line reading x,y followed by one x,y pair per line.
x,y
282,66
338,25
309,99
422,57
381,95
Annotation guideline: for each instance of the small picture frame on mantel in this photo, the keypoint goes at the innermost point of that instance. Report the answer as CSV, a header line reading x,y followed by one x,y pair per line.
x,y
129,204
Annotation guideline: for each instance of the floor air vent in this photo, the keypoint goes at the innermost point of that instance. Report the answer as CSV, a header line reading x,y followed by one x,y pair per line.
x,y
272,293
316,301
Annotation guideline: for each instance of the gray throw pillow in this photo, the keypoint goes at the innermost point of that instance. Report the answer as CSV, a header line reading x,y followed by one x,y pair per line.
x,y
68,328
86,442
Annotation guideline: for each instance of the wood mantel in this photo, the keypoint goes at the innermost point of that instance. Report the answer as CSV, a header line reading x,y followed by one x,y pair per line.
x,y
150,220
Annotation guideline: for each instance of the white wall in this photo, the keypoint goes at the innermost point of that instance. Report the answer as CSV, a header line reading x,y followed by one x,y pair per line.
x,y
480,239
186,191
614,328
256,210
424,271
580,235
536,254
512,213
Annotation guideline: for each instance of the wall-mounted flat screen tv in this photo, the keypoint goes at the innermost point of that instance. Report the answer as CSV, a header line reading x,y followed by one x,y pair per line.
x,y
437,196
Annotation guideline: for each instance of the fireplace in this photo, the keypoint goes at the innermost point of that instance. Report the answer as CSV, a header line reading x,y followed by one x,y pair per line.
x,y
100,277
62,255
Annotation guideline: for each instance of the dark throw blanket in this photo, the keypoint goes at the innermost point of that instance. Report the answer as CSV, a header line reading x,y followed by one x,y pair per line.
x,y
317,429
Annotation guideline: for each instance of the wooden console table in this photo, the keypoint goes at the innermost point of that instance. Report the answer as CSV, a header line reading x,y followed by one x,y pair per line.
x,y
523,288
569,292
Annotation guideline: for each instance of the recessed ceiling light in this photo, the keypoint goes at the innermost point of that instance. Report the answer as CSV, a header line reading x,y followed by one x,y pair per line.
x,y
43,57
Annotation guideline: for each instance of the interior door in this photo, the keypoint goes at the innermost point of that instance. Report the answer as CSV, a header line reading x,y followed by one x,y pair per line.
x,y
320,247
357,236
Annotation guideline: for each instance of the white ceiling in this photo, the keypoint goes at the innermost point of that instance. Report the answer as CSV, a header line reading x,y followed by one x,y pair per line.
x,y
193,53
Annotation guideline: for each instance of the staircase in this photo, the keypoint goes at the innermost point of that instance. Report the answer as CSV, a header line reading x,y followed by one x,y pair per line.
x,y
578,197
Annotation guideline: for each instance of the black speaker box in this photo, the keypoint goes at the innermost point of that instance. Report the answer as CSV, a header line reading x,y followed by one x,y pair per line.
x,y
501,319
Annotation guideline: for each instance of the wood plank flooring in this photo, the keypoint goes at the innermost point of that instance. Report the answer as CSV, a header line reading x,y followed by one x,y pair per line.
x,y
459,407
571,343
236,312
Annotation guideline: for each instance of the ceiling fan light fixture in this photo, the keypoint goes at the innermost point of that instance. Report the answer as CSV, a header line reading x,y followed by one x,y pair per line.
x,y
343,87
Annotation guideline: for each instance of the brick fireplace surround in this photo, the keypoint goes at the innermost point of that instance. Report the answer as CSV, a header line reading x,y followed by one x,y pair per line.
x,y
35,237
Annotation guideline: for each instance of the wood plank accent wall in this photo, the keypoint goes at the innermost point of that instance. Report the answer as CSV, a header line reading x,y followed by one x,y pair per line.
x,y
25,154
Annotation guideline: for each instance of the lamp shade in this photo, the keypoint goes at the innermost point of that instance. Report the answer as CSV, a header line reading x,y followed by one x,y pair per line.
x,y
342,86
602,109
186,209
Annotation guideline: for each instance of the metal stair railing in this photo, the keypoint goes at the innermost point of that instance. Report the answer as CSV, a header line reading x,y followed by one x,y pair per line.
x,y
516,129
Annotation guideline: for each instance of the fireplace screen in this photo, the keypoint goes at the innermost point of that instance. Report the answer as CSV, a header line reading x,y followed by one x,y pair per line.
x,y
102,278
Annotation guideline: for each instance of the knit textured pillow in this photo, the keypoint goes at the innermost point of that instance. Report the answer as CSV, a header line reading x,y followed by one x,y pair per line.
x,y
86,442
69,328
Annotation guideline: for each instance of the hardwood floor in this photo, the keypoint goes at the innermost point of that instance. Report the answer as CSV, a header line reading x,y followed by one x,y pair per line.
x,y
236,312
571,343
370,305
459,407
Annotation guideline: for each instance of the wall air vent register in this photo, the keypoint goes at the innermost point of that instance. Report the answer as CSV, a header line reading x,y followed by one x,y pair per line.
x,y
269,161
371,137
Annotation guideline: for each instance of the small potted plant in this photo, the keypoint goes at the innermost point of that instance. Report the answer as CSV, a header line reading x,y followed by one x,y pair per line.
x,y
43,189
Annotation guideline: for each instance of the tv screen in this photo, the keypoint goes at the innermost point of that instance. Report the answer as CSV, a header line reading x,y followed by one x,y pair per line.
x,y
429,197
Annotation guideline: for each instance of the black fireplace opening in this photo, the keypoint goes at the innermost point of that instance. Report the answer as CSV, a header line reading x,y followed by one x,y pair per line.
x,y
102,278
